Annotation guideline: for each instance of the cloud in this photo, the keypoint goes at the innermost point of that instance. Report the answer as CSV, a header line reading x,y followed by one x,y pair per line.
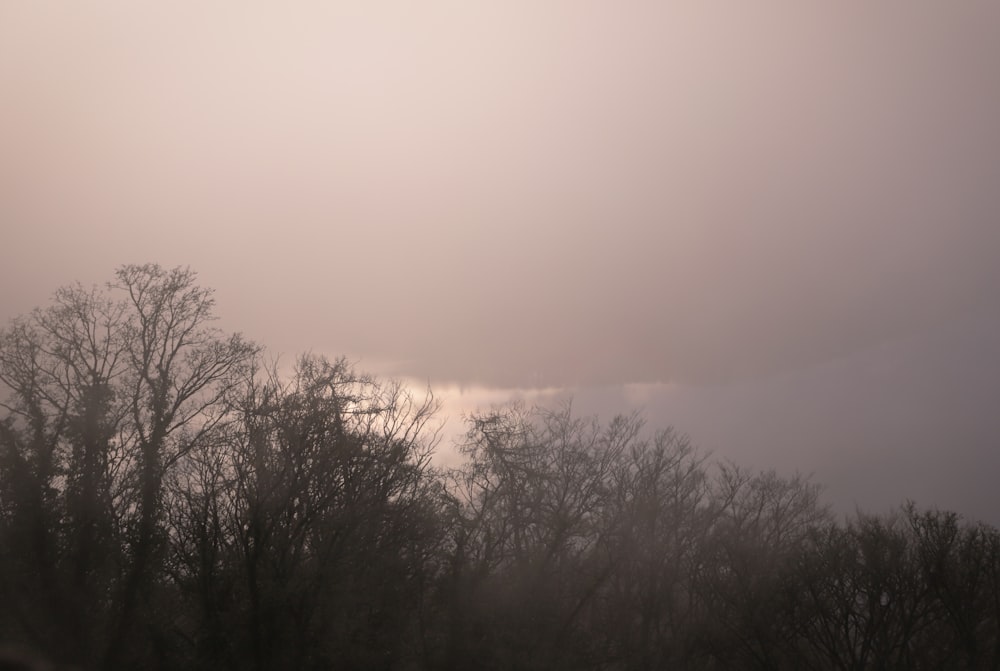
x,y
518,195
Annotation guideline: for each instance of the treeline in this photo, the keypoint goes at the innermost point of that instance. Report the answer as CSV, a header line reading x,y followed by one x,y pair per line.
x,y
169,501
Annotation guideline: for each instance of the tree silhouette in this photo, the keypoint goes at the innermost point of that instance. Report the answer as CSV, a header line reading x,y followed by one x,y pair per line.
x,y
168,500
109,389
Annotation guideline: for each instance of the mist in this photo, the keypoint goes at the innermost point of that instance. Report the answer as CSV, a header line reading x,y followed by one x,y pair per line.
x,y
779,222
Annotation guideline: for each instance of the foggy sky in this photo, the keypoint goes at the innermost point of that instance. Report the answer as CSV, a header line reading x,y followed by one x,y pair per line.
x,y
742,209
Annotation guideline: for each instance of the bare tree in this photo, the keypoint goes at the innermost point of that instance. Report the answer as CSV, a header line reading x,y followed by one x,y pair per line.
x,y
532,536
663,513
746,576
108,390
311,524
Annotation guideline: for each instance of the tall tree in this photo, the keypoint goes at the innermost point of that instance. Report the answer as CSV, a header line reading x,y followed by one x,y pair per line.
x,y
662,516
305,535
533,539
109,388
746,577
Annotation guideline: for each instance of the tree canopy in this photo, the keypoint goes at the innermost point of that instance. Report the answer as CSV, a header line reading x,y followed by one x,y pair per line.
x,y
168,499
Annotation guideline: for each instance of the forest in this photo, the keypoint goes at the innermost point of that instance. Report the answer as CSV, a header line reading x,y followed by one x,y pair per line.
x,y
170,499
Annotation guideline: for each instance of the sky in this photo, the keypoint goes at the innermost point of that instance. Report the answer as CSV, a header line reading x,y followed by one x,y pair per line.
x,y
772,225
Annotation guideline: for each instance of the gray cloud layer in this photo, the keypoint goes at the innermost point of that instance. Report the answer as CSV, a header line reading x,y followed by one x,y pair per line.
x,y
913,417
786,213
554,193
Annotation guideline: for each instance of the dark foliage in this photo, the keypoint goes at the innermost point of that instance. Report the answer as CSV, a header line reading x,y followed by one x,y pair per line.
x,y
168,501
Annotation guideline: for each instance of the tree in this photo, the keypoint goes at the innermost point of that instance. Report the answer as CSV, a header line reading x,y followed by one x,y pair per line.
x,y
747,576
168,500
305,535
538,537
662,515
109,389
958,564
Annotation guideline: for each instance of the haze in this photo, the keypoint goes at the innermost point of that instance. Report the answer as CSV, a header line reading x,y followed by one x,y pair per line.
x,y
774,226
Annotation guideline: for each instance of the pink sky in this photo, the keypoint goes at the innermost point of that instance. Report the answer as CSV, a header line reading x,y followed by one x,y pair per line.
x,y
568,194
